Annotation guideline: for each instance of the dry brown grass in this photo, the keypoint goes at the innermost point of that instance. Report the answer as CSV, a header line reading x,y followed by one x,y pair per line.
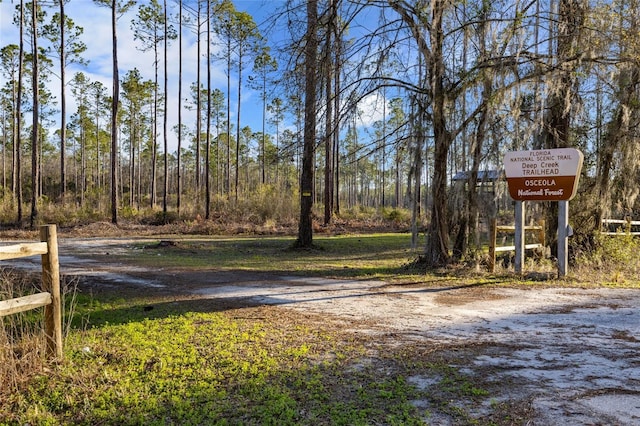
x,y
265,211
22,340
23,346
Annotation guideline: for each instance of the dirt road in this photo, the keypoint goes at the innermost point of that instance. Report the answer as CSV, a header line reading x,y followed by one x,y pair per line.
x,y
572,355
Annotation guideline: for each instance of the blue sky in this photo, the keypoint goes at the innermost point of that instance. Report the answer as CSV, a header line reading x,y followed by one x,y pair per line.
x,y
96,22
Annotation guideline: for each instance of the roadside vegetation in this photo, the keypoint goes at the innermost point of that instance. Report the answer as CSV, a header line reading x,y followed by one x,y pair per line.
x,y
134,358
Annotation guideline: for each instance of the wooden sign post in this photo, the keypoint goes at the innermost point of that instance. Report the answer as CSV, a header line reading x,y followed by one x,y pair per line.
x,y
543,175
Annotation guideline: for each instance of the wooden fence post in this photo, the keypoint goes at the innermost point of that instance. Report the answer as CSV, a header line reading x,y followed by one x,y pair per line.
x,y
542,232
51,284
493,234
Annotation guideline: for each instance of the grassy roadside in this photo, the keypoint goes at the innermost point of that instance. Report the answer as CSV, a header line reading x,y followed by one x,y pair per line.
x,y
204,368
383,256
187,362
149,359
349,256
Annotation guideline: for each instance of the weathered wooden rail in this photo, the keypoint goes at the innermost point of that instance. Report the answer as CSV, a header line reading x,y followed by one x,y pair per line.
x,y
494,248
50,296
623,227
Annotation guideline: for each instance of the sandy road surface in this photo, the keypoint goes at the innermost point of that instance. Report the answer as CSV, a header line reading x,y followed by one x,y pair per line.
x,y
572,354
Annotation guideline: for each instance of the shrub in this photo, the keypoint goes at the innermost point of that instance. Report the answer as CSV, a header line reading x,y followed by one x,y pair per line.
x,y
614,257
268,203
161,218
396,215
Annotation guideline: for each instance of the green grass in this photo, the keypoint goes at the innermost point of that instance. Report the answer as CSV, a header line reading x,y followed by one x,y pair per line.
x,y
180,366
385,256
367,256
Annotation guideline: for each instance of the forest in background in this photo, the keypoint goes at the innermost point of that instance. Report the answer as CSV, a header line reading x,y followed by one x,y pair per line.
x,y
454,86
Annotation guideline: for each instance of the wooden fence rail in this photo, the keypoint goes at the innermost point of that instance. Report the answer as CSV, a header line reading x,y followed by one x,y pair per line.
x,y
622,226
494,248
50,296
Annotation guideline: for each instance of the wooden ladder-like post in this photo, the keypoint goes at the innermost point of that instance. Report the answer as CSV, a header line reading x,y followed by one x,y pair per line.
x,y
51,284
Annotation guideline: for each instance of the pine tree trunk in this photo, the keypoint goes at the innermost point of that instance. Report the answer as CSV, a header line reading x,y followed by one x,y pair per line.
x,y
328,134
17,156
114,120
198,109
305,226
179,152
165,186
35,166
63,108
207,182
237,175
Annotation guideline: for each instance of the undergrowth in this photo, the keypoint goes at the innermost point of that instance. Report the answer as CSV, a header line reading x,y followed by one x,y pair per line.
x,y
264,205
612,260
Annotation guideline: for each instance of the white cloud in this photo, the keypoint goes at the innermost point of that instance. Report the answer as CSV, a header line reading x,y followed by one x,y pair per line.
x,y
371,110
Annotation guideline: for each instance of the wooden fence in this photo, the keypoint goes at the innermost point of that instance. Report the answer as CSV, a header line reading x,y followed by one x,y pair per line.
x,y
620,227
494,248
50,296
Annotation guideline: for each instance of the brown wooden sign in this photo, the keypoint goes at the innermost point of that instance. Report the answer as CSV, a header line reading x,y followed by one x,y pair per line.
x,y
543,175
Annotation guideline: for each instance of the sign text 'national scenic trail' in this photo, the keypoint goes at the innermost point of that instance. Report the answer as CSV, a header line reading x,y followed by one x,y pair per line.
x,y
543,175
